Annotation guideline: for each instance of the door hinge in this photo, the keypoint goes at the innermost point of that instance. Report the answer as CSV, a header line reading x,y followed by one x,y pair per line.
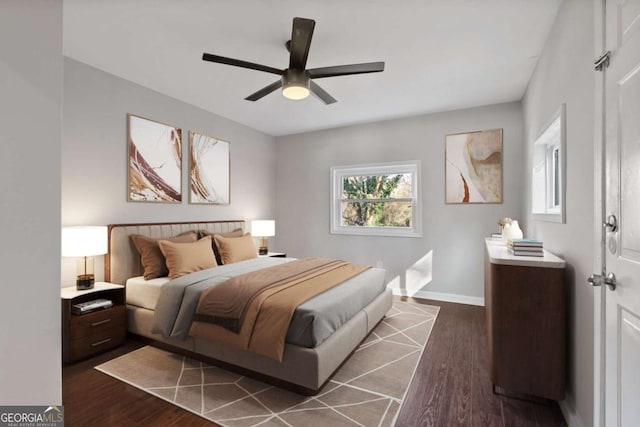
x,y
603,61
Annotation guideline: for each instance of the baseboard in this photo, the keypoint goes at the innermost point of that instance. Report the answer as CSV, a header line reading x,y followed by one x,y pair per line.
x,y
441,296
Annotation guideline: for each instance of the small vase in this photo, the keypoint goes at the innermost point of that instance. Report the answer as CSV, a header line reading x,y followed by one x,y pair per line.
x,y
511,231
515,230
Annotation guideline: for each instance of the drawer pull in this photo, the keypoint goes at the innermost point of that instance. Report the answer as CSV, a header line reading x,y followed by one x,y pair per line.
x,y
96,344
102,322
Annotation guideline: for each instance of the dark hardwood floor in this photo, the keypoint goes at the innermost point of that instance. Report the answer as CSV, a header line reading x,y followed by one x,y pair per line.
x,y
451,386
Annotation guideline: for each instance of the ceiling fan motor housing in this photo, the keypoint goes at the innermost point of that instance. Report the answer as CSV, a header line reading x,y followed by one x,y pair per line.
x,y
295,83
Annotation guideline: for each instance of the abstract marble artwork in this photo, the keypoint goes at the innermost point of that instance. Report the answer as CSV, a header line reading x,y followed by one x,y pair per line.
x,y
473,167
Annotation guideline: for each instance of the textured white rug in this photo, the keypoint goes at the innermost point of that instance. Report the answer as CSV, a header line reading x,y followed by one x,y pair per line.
x,y
367,390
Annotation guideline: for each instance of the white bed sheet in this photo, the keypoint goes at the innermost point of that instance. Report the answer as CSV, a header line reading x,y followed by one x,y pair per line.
x,y
144,293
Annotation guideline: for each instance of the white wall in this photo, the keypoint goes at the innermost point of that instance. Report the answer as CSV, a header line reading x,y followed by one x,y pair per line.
x,y
94,156
30,137
448,259
564,74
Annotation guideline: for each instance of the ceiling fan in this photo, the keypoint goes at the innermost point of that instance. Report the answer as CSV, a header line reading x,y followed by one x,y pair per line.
x,y
296,81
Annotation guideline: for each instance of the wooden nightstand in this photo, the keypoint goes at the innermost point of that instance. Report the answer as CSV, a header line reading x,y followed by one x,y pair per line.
x,y
92,333
274,255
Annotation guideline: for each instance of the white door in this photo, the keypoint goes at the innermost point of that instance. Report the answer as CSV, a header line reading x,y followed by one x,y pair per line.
x,y
622,135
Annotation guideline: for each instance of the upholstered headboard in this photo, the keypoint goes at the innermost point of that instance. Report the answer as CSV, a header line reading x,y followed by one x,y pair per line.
x,y
123,260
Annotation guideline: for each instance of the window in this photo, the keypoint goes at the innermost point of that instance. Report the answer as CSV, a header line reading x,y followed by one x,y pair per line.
x,y
547,182
376,200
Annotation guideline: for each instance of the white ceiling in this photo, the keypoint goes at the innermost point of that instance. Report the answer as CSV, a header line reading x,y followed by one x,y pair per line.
x,y
440,54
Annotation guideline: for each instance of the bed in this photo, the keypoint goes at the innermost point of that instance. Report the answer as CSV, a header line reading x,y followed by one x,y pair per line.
x,y
313,351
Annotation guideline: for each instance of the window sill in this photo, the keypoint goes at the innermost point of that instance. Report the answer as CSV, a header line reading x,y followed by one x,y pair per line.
x,y
377,232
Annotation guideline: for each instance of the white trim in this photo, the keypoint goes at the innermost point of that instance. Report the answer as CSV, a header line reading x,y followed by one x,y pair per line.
x,y
441,296
553,214
337,172
599,294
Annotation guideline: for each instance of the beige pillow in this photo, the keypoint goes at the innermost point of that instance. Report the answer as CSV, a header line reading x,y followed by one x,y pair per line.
x,y
151,257
234,249
235,233
185,258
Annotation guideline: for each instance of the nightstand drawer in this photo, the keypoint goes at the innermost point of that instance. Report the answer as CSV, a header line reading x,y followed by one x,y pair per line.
x,y
97,342
93,324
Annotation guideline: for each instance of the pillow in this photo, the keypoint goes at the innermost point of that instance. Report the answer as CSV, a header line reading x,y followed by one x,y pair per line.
x,y
151,257
235,233
234,249
185,258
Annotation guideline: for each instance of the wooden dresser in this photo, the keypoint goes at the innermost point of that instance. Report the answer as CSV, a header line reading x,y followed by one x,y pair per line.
x,y
525,302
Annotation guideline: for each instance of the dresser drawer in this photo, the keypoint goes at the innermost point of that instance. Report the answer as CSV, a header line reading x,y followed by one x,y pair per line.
x,y
97,342
92,324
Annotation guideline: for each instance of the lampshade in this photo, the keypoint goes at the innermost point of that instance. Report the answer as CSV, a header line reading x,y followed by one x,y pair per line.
x,y
263,228
84,241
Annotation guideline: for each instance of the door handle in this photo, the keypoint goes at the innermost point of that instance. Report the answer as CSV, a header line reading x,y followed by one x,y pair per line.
x,y
611,224
598,280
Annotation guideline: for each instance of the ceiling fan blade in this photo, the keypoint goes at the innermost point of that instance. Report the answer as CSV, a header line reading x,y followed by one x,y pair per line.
x,y
239,63
300,42
345,70
264,91
321,93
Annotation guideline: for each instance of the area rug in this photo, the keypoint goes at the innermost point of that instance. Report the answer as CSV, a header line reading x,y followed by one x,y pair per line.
x,y
367,390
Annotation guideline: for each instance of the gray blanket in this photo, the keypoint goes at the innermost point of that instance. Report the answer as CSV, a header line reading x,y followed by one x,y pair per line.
x,y
312,322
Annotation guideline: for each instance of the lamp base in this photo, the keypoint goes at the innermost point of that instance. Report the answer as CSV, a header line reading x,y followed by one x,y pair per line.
x,y
84,281
263,250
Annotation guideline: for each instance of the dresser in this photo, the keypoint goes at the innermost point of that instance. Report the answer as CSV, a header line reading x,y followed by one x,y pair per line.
x,y
525,303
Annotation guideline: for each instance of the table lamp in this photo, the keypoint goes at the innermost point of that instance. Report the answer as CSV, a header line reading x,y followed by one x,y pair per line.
x,y
263,228
84,243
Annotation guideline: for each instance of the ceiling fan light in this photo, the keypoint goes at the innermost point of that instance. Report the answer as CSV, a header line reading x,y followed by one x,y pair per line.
x,y
295,91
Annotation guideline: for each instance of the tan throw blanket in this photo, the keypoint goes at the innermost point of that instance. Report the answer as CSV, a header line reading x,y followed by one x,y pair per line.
x,y
258,306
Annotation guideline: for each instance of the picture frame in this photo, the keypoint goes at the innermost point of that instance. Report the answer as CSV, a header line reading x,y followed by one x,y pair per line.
x,y
473,167
209,170
154,161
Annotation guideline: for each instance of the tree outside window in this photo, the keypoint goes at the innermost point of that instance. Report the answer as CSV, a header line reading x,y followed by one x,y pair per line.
x,y
376,199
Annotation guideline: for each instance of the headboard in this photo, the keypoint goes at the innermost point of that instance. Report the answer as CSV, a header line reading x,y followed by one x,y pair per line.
x,y
123,261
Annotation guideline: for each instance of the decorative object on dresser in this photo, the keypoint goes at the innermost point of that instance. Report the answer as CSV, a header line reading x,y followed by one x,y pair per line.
x,y
525,247
84,242
87,334
263,228
155,161
209,164
511,230
501,223
473,167
525,302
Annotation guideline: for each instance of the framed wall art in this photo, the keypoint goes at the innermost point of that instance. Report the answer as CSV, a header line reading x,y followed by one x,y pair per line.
x,y
209,168
473,167
155,161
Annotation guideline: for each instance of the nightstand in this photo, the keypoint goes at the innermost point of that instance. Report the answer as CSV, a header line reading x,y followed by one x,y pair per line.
x,y
274,255
92,333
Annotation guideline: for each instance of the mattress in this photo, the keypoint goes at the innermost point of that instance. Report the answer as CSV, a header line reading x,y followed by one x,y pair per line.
x,y
144,293
312,322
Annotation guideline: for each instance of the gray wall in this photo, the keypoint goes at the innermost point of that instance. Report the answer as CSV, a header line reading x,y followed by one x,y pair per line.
x,y
448,259
564,74
30,137
94,156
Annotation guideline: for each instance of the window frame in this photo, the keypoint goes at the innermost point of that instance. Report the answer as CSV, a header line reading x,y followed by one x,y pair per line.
x,y
544,150
339,172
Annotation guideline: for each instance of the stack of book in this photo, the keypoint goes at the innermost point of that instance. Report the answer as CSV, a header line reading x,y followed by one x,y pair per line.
x,y
525,247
